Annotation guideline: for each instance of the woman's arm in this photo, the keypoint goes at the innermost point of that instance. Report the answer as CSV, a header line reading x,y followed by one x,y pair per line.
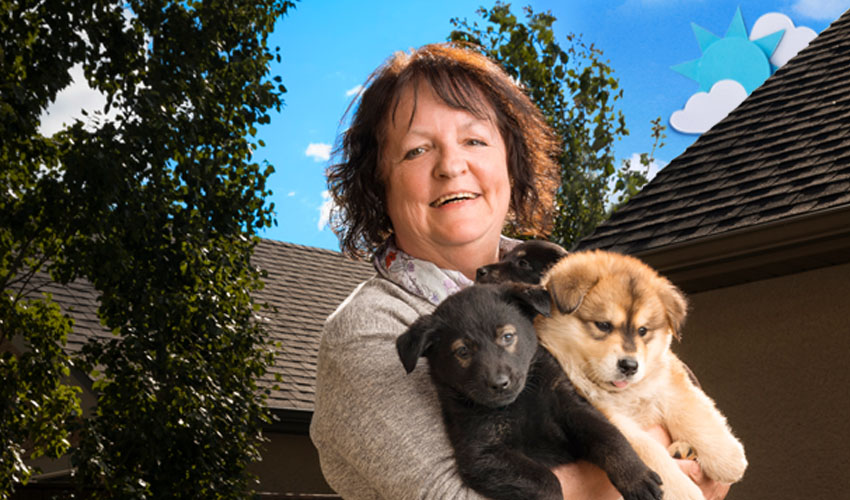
x,y
379,431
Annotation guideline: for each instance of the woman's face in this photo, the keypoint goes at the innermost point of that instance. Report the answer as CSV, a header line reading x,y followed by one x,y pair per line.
x,y
446,177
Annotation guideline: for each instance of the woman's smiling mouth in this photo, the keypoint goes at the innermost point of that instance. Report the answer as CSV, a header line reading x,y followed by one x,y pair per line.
x,y
453,198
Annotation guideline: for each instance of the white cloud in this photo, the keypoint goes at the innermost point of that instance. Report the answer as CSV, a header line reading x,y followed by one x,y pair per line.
x,y
291,193
318,151
704,109
634,164
325,210
793,40
66,109
824,10
69,103
353,91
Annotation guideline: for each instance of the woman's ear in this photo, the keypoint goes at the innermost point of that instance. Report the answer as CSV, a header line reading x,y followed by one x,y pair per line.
x,y
415,342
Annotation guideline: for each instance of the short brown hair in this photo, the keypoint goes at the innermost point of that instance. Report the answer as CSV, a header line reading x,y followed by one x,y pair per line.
x,y
460,77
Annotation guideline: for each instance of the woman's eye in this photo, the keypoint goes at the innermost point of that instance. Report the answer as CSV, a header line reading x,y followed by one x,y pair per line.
x,y
476,142
413,153
604,326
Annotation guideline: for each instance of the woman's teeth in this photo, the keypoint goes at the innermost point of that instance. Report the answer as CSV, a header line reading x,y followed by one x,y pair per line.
x,y
453,198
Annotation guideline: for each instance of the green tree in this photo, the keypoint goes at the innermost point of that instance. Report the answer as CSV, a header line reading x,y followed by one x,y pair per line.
x,y
157,205
577,92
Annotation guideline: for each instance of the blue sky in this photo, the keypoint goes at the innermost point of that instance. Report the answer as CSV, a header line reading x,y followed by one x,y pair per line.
x,y
330,47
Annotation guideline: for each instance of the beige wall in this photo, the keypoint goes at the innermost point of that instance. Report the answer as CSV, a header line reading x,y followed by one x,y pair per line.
x,y
290,465
775,355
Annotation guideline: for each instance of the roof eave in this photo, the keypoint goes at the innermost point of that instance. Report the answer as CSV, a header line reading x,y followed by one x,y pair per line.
x,y
289,421
758,252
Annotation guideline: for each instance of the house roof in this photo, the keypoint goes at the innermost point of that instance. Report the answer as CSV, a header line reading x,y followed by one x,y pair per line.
x,y
303,284
781,157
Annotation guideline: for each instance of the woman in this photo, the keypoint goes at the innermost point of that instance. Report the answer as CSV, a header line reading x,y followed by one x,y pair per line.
x,y
442,146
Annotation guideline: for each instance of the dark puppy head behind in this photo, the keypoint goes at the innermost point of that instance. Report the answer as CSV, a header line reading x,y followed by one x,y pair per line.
x,y
479,342
526,263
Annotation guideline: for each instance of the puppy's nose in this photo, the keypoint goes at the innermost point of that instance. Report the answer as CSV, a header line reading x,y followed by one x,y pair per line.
x,y
481,272
500,382
627,366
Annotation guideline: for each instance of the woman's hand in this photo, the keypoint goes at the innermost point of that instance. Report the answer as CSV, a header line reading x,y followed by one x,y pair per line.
x,y
582,480
711,489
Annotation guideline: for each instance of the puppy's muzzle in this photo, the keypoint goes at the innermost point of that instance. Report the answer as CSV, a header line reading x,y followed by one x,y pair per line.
x,y
499,382
485,274
627,366
499,388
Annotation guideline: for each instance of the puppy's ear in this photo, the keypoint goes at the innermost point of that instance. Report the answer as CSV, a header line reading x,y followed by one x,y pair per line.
x,y
568,282
415,342
556,253
676,307
533,300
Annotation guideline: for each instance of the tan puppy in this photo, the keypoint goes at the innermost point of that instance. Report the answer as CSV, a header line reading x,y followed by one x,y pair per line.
x,y
611,330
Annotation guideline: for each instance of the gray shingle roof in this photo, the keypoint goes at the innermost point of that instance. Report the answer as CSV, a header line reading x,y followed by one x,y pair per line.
x,y
304,284
783,153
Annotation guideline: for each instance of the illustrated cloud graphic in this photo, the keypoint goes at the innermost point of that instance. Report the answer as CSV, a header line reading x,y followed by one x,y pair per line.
x,y
793,41
740,61
704,109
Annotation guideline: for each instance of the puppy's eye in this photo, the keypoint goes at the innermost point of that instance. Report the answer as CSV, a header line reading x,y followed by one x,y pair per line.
x,y
604,326
462,353
642,331
523,264
506,336
507,339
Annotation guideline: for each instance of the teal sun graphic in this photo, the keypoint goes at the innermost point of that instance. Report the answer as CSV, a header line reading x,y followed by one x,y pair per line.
x,y
733,57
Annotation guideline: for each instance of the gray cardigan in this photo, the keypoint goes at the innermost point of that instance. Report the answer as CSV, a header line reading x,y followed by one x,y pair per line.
x,y
379,431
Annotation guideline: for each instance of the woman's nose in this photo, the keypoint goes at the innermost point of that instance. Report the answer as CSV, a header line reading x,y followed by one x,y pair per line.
x,y
451,163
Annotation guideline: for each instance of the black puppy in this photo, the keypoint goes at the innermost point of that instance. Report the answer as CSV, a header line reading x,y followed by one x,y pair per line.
x,y
525,263
510,411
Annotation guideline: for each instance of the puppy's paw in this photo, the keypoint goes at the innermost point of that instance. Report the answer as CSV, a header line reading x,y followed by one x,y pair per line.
x,y
726,466
681,450
646,486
